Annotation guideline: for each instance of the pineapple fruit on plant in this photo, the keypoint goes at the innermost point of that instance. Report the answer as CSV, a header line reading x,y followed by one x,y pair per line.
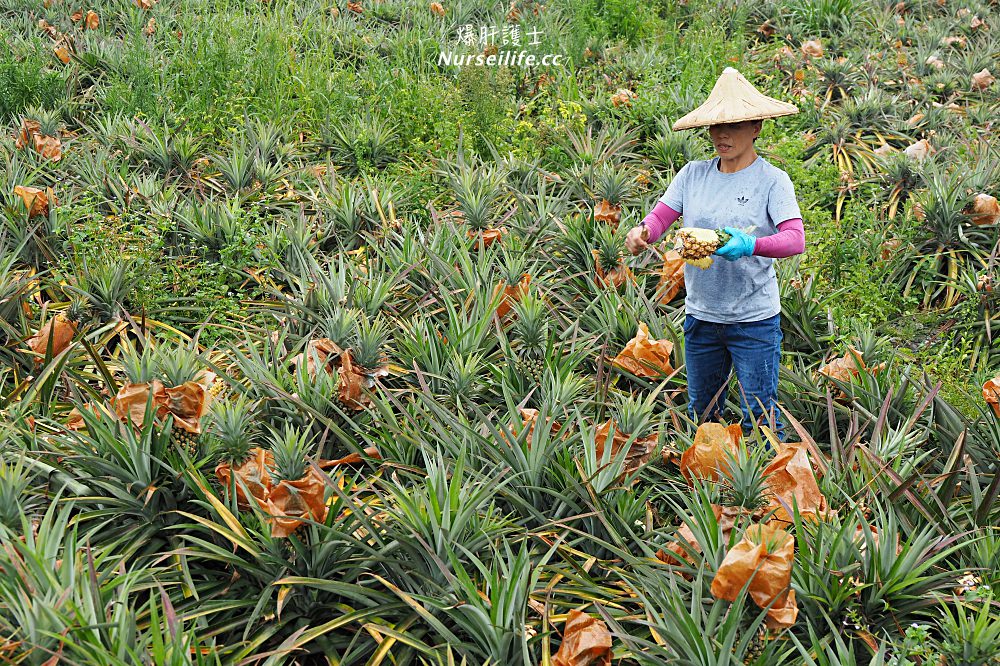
x,y
612,188
609,257
178,367
531,334
177,384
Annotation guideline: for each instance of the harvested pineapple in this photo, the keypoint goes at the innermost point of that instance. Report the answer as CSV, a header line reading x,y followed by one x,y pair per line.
x,y
697,245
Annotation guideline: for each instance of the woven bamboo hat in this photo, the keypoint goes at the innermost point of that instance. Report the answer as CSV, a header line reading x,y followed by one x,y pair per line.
x,y
733,100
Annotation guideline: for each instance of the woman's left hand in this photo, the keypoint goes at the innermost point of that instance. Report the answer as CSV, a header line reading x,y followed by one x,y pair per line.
x,y
740,245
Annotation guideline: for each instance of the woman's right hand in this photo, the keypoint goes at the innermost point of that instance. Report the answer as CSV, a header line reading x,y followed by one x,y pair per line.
x,y
636,240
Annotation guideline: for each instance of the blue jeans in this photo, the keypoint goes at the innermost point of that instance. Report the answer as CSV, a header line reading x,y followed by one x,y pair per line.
x,y
711,350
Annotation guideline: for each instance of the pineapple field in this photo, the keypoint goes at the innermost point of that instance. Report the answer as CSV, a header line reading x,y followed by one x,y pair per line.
x,y
315,349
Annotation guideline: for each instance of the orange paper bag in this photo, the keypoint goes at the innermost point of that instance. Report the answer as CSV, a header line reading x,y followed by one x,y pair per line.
x,y
791,479
764,558
638,454
707,455
254,474
645,357
671,276
991,394
586,642
292,501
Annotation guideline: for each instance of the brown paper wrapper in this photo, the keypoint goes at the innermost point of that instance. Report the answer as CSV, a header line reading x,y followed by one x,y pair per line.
x,y
36,200
615,277
586,642
764,558
604,211
726,516
30,134
292,501
991,394
350,384
351,458
645,357
322,350
487,237
185,404
985,210
254,473
846,367
529,417
791,478
130,402
706,456
74,420
671,277
511,294
638,454
60,329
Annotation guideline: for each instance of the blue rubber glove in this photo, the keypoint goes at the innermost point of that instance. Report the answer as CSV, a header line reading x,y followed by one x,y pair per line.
x,y
740,245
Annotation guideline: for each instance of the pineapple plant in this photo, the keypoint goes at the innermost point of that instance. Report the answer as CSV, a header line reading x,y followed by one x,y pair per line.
x,y
176,367
368,348
341,324
514,279
745,484
233,429
297,493
49,122
609,256
632,415
478,193
697,245
289,448
531,332
612,188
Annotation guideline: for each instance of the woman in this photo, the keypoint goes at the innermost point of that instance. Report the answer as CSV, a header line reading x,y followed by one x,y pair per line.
x,y
733,313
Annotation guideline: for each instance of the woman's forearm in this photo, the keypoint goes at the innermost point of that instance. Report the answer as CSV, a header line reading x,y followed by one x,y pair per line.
x,y
659,220
790,240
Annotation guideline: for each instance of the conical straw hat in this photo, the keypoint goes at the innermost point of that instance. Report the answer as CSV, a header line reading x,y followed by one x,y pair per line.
x,y
732,100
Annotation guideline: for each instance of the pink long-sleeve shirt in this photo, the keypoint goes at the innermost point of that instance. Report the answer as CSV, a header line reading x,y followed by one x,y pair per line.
x,y
790,239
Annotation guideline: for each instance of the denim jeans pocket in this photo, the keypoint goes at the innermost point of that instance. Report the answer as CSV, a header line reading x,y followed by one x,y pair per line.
x,y
765,331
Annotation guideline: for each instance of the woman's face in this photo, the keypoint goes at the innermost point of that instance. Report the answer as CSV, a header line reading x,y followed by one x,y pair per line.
x,y
734,140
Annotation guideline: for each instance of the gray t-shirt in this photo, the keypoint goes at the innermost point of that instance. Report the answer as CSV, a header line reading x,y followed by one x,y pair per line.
x,y
760,195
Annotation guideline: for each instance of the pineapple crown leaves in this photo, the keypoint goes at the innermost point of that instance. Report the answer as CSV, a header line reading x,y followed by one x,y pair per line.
x,y
177,365
745,483
560,390
233,426
139,367
49,121
341,325
610,244
531,327
479,193
633,415
514,262
614,184
290,448
368,342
